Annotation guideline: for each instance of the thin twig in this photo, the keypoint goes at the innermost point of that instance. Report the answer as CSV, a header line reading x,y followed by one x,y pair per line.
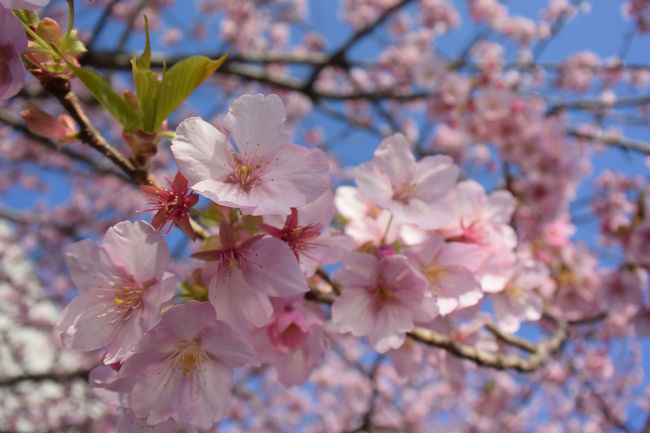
x,y
624,143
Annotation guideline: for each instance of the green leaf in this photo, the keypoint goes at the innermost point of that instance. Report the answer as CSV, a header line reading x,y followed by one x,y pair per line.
x,y
114,103
117,106
181,80
145,59
72,45
210,217
147,87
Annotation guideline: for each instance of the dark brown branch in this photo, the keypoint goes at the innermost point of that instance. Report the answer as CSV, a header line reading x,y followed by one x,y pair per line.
x,y
496,360
607,413
600,105
338,56
60,89
240,66
57,377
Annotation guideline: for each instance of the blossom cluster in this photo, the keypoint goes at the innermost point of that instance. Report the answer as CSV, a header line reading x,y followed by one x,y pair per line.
x,y
416,246
289,280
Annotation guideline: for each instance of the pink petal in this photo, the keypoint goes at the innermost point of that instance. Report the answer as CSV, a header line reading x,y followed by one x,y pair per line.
x,y
257,119
393,321
274,269
227,345
306,169
238,304
374,183
359,270
83,324
354,311
201,151
501,206
468,256
394,158
137,248
434,176
89,265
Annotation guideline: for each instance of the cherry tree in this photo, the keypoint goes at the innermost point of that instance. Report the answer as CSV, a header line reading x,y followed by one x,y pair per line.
x,y
291,215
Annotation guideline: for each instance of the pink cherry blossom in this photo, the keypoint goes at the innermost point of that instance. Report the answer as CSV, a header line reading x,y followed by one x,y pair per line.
x,y
520,300
172,205
412,191
306,232
622,288
242,276
266,174
293,343
365,221
13,42
483,220
183,368
124,283
381,299
450,269
637,248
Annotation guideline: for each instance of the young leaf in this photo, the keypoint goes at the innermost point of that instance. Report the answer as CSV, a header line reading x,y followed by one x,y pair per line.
x,y
181,80
145,59
147,87
101,89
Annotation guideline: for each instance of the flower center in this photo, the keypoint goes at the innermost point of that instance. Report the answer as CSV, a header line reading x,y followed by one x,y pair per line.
x,y
188,358
403,192
433,272
125,298
246,171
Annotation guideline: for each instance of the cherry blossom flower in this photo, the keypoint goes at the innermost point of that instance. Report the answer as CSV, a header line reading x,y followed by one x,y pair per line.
x,y
637,247
172,205
13,42
623,288
381,299
293,343
450,269
306,232
520,300
243,275
365,221
265,175
411,190
125,284
483,220
183,368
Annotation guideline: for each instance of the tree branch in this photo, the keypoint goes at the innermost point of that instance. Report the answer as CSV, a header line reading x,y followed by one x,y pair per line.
x,y
57,377
539,353
60,89
338,56
624,143
19,126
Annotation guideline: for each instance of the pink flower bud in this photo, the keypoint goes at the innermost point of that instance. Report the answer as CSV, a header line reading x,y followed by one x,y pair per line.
x,y
289,331
42,124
